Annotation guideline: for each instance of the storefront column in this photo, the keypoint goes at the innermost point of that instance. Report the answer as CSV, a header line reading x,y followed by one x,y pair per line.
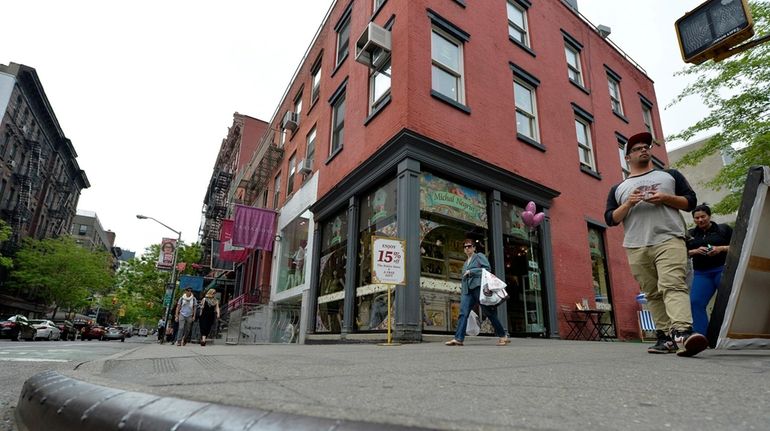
x,y
407,307
315,277
496,246
549,279
351,263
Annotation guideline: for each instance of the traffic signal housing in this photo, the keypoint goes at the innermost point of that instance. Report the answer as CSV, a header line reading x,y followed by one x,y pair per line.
x,y
713,28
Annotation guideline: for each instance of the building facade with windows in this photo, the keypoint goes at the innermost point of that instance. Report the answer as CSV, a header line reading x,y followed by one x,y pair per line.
x,y
40,179
474,109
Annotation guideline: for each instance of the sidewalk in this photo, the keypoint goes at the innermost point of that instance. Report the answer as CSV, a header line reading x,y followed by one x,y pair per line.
x,y
531,384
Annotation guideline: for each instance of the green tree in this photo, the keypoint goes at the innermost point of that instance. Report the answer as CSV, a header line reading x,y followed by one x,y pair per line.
x,y
61,273
5,234
737,92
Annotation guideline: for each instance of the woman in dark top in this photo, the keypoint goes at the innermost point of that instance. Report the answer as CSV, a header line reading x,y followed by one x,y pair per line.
x,y
209,314
471,284
707,246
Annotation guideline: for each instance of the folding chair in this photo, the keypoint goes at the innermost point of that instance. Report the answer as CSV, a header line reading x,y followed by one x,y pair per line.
x,y
576,323
646,324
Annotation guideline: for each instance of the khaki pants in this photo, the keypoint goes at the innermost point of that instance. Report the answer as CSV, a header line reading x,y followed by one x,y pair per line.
x,y
660,271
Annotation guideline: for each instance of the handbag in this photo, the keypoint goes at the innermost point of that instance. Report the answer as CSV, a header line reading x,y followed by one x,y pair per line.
x,y
472,327
492,290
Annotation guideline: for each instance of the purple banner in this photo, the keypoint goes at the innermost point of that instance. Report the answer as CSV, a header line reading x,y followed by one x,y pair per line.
x,y
253,228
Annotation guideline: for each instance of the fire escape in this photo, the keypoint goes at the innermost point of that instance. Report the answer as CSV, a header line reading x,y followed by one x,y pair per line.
x,y
268,155
217,203
27,179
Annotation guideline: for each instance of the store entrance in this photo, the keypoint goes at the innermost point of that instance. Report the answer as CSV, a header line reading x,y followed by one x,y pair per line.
x,y
522,274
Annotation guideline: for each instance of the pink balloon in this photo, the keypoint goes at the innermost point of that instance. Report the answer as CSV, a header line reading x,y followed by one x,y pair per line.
x,y
527,217
537,219
531,207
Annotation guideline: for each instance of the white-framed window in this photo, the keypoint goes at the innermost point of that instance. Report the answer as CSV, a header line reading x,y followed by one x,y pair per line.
x,y
316,82
526,109
376,4
343,39
447,65
379,86
298,106
82,229
276,190
585,148
614,87
292,172
623,161
338,124
310,147
574,70
282,138
517,23
647,118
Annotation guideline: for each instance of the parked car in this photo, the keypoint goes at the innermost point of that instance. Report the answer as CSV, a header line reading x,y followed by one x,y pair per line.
x,y
67,328
115,333
46,330
142,332
16,328
94,332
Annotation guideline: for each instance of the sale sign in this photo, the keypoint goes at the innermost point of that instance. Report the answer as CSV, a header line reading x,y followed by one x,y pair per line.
x,y
388,260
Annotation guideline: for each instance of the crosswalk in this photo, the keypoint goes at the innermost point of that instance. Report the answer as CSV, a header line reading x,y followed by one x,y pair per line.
x,y
58,351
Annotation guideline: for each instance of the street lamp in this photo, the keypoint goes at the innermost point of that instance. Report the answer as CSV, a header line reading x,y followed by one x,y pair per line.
x,y
173,267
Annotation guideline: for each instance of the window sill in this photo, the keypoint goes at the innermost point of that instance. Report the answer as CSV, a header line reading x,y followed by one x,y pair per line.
x,y
621,116
385,101
450,102
339,65
529,141
522,46
588,171
333,155
312,105
579,86
460,2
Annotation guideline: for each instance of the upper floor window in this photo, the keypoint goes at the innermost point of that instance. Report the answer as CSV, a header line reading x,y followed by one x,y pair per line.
x,y
574,70
647,117
614,86
276,190
82,229
447,66
292,171
622,155
526,109
343,36
298,106
310,149
585,147
517,23
376,4
379,86
316,81
338,123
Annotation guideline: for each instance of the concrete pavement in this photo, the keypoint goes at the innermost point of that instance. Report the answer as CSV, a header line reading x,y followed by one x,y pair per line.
x,y
531,384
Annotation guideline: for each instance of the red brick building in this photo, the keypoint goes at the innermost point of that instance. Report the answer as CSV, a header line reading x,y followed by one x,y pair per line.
x,y
474,110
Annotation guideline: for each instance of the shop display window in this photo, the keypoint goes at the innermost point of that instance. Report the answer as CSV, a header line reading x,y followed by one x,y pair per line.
x,y
331,286
293,252
600,277
377,217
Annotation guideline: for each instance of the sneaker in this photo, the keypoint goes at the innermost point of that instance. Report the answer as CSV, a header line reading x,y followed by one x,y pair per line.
x,y
665,344
691,343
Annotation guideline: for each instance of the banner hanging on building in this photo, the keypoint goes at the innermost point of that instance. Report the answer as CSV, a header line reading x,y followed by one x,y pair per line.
x,y
227,251
253,228
216,261
191,281
166,255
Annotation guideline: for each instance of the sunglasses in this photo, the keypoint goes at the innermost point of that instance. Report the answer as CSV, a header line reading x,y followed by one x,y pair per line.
x,y
637,149
467,245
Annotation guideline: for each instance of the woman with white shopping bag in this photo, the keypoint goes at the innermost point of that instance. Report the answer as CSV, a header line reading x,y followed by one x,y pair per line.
x,y
471,286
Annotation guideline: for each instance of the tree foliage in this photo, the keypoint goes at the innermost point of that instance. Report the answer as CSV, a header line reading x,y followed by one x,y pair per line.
x,y
737,92
5,234
61,273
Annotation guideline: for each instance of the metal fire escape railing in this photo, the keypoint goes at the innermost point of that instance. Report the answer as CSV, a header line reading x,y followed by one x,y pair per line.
x,y
27,179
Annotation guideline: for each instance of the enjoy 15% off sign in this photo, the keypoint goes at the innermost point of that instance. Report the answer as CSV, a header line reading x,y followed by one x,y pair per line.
x,y
388,261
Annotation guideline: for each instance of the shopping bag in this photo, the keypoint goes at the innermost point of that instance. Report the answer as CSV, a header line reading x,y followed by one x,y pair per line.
x,y
473,327
492,290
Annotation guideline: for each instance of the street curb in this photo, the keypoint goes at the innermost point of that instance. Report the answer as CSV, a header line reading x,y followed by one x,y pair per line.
x,y
53,402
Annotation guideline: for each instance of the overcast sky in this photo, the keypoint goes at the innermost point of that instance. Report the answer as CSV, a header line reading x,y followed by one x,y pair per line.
x,y
145,90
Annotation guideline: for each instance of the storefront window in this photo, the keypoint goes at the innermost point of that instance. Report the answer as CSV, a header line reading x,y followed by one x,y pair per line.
x,y
601,280
331,289
449,213
377,218
523,269
293,251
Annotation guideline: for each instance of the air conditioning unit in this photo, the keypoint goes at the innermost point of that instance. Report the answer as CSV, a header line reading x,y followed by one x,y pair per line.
x,y
373,47
290,121
306,167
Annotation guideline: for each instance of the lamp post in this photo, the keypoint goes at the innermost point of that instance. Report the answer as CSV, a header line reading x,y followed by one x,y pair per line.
x,y
173,268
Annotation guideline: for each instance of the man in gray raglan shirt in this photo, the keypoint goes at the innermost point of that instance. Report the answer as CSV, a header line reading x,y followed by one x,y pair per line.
x,y
648,204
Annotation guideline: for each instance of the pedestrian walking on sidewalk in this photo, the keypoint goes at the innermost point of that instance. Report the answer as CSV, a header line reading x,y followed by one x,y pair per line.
x,y
185,315
161,329
209,314
708,245
471,286
648,204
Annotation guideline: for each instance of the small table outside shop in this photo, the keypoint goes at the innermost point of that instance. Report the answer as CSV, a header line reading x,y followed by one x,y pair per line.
x,y
596,332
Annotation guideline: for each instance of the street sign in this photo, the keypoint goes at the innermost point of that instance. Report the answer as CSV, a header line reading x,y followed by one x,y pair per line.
x,y
388,260
713,27
167,299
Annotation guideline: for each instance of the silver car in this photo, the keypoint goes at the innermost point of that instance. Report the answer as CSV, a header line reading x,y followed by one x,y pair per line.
x,y
46,330
114,333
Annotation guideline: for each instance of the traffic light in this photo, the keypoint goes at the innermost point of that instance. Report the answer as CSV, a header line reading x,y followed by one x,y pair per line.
x,y
713,28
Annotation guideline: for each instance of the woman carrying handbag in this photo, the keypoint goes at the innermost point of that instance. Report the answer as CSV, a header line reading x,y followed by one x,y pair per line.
x,y
471,285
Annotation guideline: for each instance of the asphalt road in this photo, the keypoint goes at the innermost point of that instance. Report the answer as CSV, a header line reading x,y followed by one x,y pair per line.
x,y
20,360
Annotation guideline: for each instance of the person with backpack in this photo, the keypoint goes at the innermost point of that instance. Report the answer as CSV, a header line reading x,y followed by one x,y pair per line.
x,y
708,245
